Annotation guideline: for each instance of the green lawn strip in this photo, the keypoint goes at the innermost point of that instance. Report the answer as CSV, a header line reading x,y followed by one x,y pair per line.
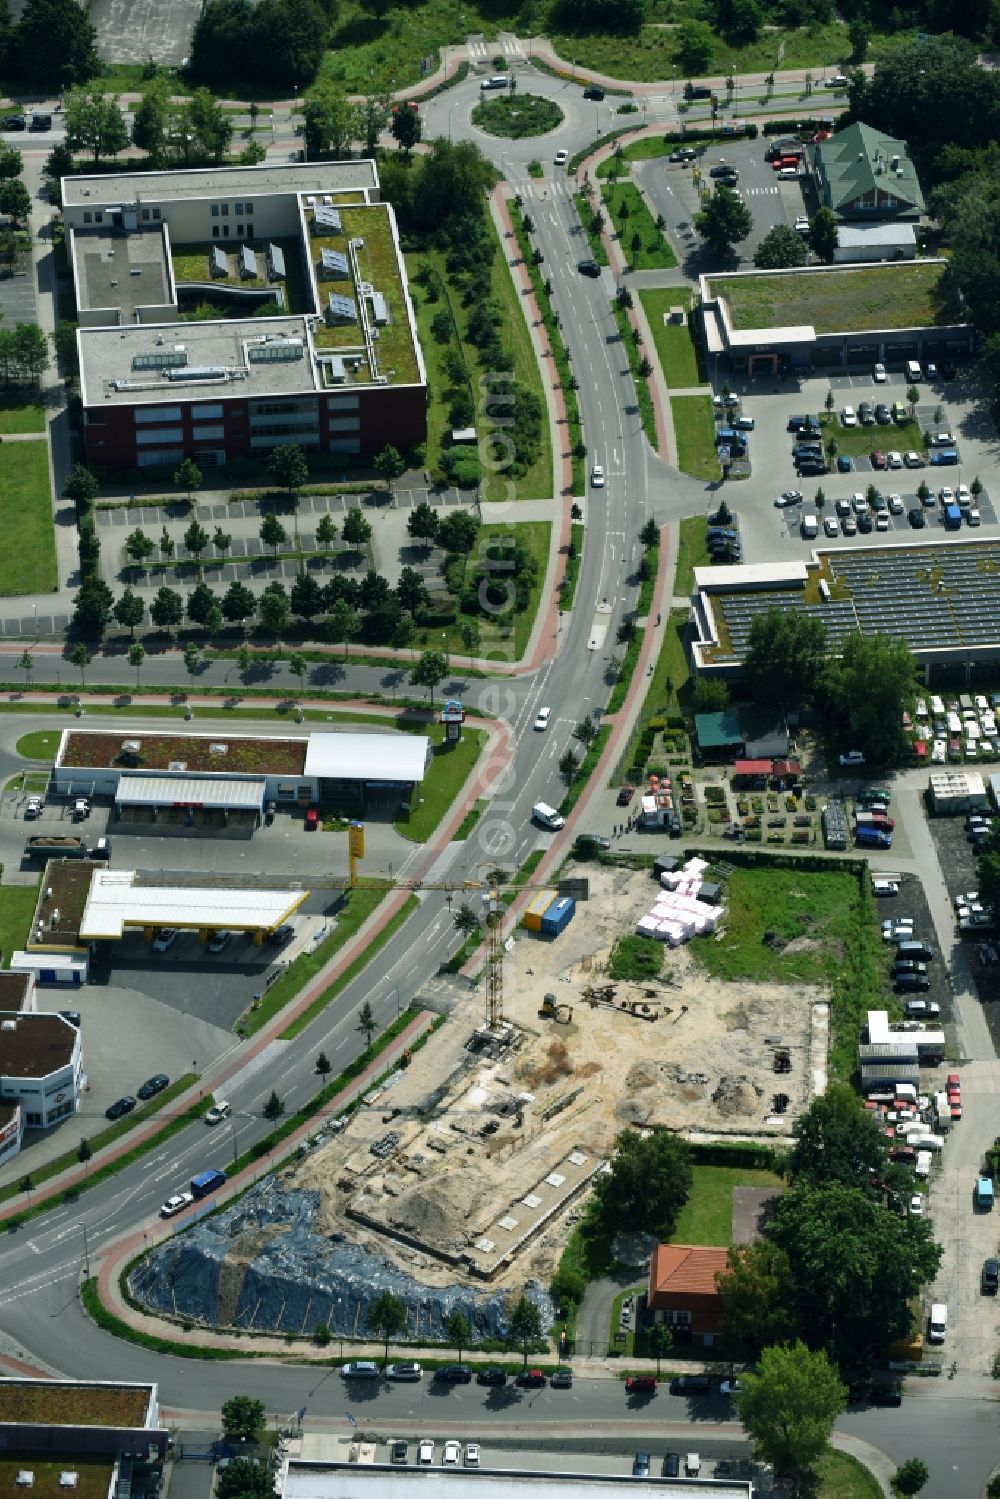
x,y
121,701
573,562
181,565
392,48
375,944
534,537
102,1173
426,307
833,905
358,906
903,436
670,675
643,398
469,821
651,147
450,767
906,295
28,780
674,342
537,482
17,907
28,564
707,1216
16,418
694,426
654,252
841,1476
560,357
585,770
692,552
595,241
630,659
517,116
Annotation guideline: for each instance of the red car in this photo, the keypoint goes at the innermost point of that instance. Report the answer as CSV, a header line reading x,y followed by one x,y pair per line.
x,y
531,1379
641,1384
625,795
902,1153
954,1081
878,459
312,819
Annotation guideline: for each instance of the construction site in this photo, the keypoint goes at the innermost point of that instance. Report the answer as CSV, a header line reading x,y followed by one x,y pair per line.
x,y
463,1172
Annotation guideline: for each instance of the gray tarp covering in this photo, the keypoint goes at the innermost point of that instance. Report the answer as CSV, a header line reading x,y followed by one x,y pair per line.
x,y
262,1265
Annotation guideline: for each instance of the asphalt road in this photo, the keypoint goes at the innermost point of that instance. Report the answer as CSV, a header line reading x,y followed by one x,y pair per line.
x,y
949,1424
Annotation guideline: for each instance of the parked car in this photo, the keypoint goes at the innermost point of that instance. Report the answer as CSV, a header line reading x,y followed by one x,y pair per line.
x,y
472,1454
671,1465
362,1368
561,1379
878,458
640,1465
852,757
730,1387
165,939
120,1107
845,463
640,1384
311,819
491,1375
990,1278
398,1452
917,519
425,1452
33,807
153,1085
219,941
625,795
451,1457
453,1374
882,414
176,1204
281,934
849,417
691,1384
879,375
531,1379
408,1373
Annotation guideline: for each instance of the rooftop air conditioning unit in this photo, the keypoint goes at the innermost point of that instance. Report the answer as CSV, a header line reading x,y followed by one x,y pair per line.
x,y
68,1479
217,748
9,1025
132,745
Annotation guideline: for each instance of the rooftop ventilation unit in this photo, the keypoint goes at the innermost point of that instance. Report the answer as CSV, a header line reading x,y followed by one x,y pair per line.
x,y
177,765
218,748
68,1479
132,745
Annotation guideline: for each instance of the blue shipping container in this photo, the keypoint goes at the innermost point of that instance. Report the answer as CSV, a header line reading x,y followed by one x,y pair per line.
x,y
558,916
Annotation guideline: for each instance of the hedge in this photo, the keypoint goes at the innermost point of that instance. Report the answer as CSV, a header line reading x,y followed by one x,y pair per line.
x,y
740,1153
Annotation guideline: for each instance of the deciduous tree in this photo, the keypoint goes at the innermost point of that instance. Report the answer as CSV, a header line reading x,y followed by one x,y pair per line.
x,y
789,1407
648,1183
429,670
386,1317
723,221
524,1327
95,124
786,653
129,611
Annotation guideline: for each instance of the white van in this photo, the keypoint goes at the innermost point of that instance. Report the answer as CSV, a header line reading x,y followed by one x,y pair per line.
x,y
548,817
923,1166
810,527
913,371
938,1324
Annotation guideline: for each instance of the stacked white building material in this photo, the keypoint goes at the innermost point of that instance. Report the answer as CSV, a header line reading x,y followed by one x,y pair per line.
x,y
678,914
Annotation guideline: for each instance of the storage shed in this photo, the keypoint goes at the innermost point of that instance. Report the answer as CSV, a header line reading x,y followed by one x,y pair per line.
x,y
954,792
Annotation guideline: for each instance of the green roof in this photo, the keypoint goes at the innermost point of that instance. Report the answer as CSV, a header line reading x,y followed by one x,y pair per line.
x,y
856,171
718,730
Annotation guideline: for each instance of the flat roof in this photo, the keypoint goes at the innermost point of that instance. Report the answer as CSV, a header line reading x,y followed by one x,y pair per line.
x,y
220,182
833,299
745,578
120,270
361,1481
107,355
93,1475
13,990
34,1045
94,749
59,1402
187,791
62,897
903,232
118,901
367,757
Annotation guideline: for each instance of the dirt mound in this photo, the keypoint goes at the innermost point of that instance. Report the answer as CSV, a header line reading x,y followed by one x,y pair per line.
x,y
433,1212
737,1094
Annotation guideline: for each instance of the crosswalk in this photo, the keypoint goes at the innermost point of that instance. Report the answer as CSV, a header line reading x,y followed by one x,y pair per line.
x,y
482,52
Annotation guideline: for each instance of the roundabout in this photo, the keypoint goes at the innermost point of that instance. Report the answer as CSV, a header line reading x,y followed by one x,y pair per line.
x,y
515,116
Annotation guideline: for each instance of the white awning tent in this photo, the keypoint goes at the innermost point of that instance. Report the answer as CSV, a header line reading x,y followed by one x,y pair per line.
x,y
116,903
190,791
372,758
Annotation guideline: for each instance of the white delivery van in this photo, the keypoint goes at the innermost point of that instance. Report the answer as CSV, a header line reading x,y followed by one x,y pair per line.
x,y
548,817
692,1465
913,371
810,527
933,1143
938,1324
923,1166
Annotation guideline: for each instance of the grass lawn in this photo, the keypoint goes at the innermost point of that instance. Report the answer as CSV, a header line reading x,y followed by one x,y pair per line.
x,y
515,116
450,766
28,564
653,252
536,483
864,440
692,552
648,56
843,1477
572,574
534,536
841,950
643,398
899,296
350,973
707,1216
190,263
18,418
395,46
17,906
595,241
694,425
674,343
666,691
93,1480
40,744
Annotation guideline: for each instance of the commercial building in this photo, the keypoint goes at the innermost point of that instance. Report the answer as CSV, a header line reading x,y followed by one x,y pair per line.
x,y
863,175
41,1068
363,1478
951,793
827,317
333,363
76,1437
941,600
683,1292
178,783
865,242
